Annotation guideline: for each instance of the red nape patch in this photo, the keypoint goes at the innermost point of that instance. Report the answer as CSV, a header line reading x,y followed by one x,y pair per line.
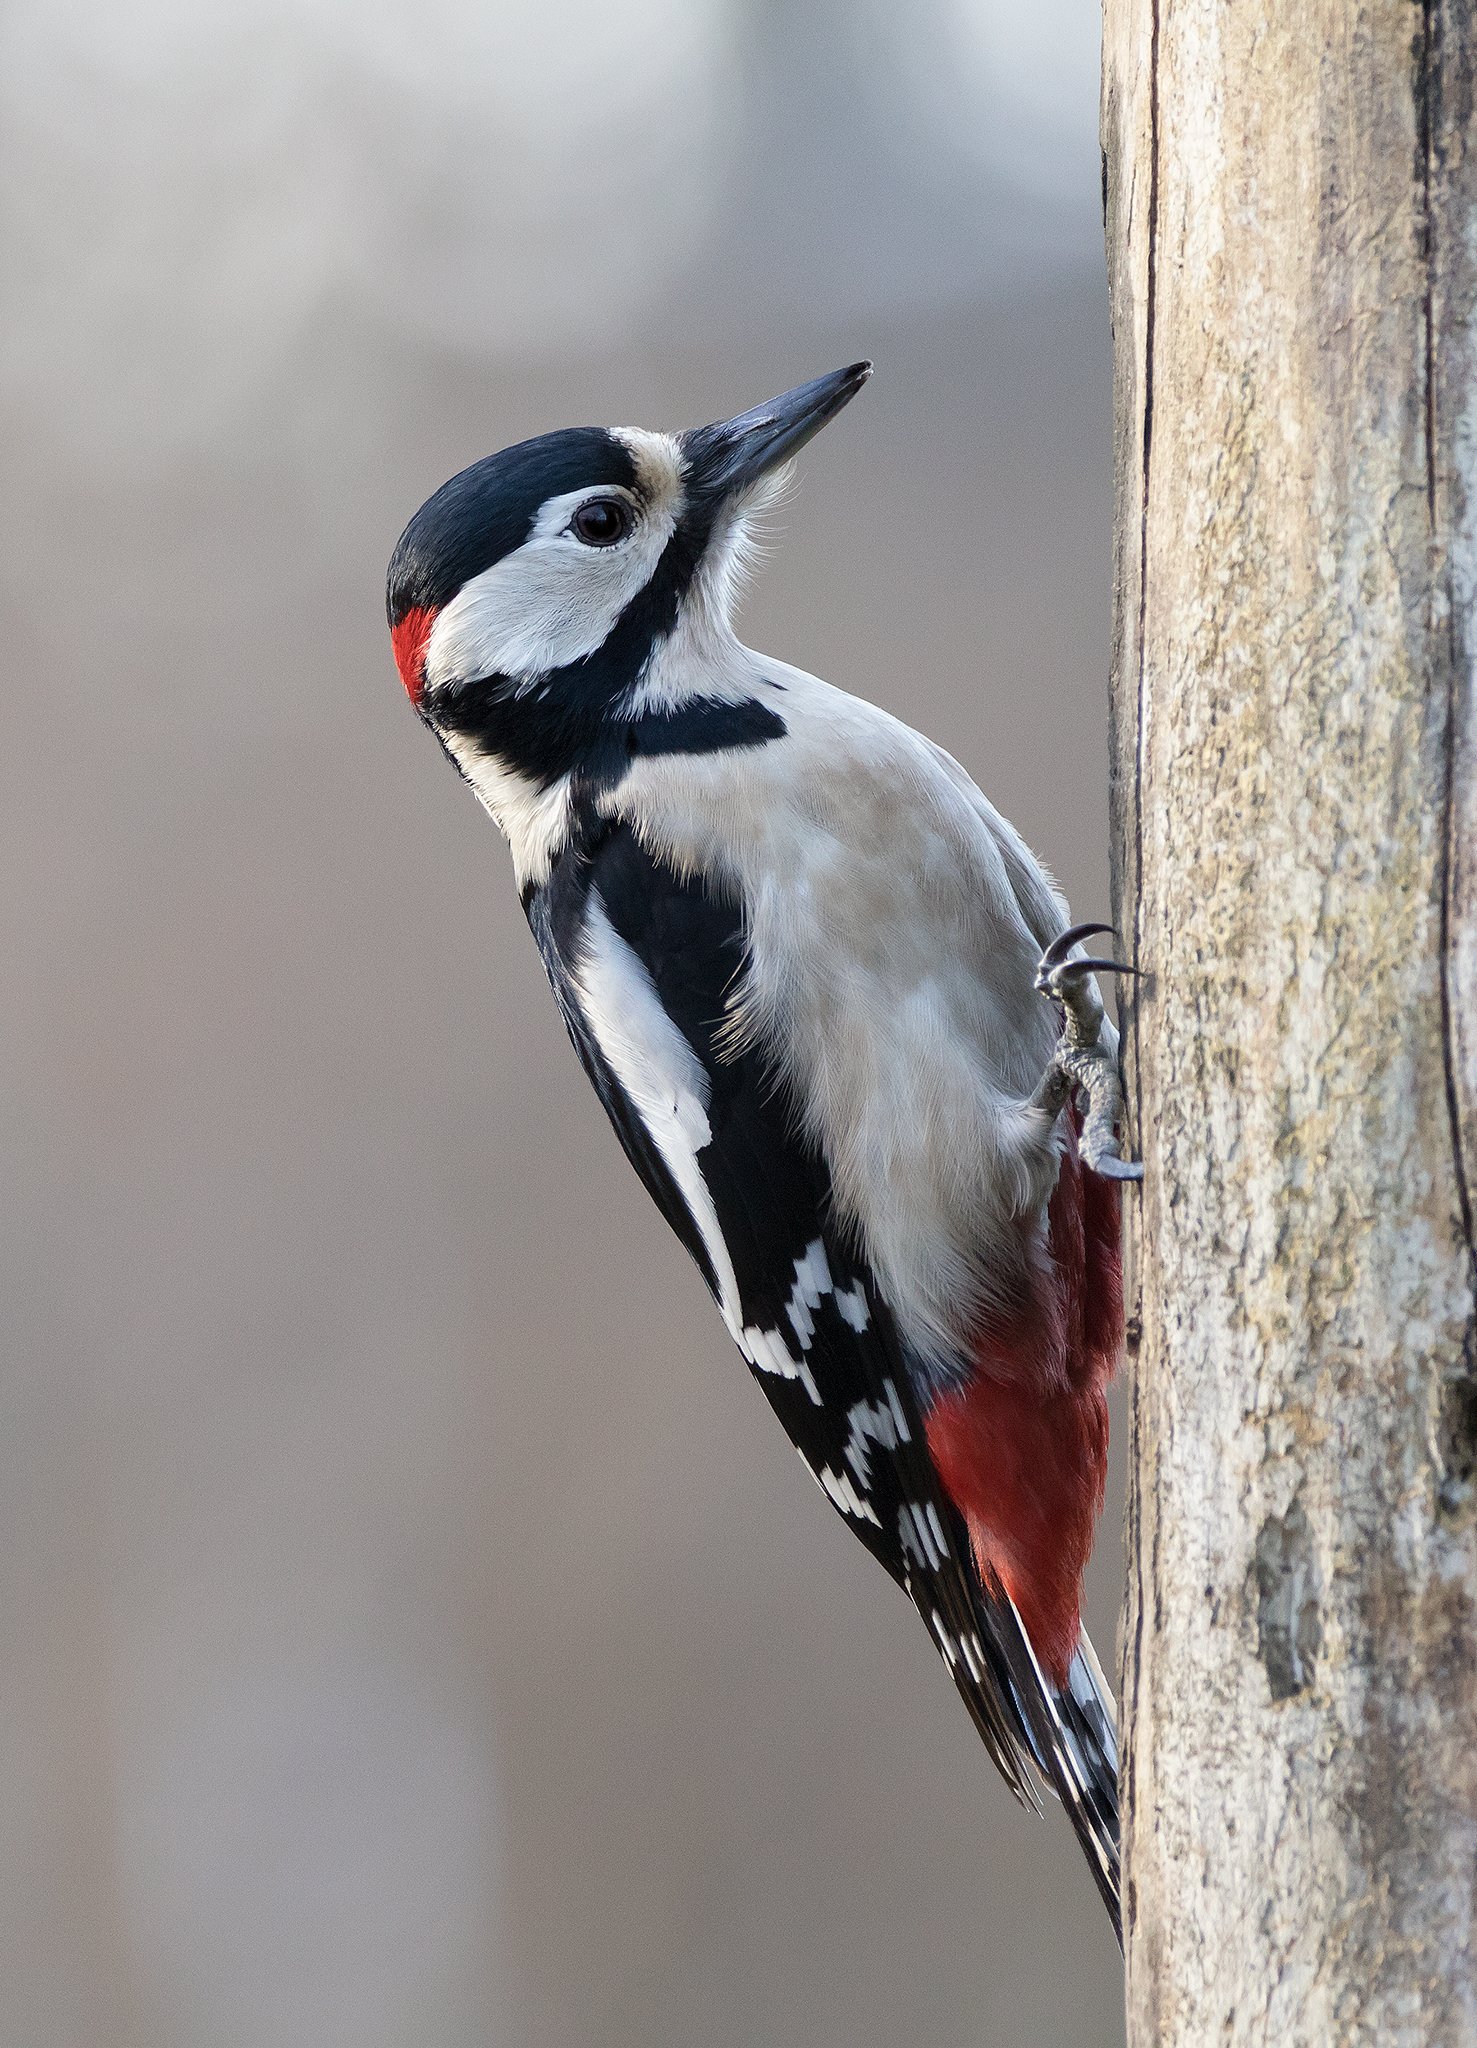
x,y
1023,1450
409,642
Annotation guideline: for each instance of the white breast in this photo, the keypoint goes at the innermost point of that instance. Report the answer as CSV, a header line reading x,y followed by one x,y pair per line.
x,y
895,924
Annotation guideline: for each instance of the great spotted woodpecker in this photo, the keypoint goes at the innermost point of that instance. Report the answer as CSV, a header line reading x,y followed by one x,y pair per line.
x,y
802,960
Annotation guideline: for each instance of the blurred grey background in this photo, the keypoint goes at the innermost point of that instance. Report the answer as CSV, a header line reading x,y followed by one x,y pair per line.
x,y
416,1630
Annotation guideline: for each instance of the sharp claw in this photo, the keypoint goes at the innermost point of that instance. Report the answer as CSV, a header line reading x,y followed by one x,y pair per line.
x,y
1051,976
1119,1169
1079,1051
1063,943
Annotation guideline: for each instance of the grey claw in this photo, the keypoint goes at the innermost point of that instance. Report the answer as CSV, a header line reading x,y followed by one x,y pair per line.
x,y
1063,943
1080,1061
1119,1169
1046,978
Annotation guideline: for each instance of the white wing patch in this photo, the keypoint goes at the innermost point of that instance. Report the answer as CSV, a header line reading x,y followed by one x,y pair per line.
x,y
767,1351
669,1091
881,1423
661,1074
812,1280
921,1536
844,1493
874,1422
852,1303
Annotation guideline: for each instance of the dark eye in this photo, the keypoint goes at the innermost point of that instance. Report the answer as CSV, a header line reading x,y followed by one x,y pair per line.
x,y
601,522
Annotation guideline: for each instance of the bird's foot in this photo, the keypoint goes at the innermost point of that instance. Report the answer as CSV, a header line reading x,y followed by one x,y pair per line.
x,y
1081,1060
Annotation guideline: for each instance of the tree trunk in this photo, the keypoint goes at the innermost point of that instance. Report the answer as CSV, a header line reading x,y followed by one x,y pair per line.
x,y
1291,192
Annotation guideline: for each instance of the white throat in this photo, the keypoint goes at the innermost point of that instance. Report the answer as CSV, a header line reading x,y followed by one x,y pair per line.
x,y
533,820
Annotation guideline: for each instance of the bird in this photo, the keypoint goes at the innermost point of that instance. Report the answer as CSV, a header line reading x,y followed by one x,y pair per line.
x,y
838,1017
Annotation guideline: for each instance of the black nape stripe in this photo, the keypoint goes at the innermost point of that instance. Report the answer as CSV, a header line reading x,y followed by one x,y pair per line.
x,y
544,739
705,726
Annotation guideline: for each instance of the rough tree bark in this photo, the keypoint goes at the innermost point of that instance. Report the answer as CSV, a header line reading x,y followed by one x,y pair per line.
x,y
1291,198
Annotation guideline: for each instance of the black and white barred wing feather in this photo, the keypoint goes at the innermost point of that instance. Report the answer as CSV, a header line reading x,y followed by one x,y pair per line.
x,y
642,962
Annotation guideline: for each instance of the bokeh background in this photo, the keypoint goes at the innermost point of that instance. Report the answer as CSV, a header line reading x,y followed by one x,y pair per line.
x,y
416,1632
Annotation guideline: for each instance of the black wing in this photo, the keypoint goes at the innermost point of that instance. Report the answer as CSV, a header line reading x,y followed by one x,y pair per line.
x,y
819,1339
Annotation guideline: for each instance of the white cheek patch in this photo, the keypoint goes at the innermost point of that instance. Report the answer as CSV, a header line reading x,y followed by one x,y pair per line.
x,y
551,602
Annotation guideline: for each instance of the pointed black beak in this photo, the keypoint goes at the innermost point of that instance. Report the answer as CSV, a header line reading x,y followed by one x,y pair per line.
x,y
733,454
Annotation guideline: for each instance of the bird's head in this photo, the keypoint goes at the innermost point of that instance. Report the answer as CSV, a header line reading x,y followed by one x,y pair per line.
x,y
531,596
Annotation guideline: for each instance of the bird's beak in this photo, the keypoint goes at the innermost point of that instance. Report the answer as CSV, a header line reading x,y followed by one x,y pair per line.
x,y
732,455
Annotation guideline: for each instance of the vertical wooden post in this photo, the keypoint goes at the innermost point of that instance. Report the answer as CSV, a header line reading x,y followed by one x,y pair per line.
x,y
1291,201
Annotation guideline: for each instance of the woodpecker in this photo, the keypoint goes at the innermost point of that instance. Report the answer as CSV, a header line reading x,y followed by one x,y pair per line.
x,y
838,1016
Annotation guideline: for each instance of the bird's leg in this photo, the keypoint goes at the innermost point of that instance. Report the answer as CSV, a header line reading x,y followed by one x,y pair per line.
x,y
1081,1059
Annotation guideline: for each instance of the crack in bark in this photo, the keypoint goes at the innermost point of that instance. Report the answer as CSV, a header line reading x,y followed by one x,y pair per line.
x,y
1130,1786
1457,1446
1427,91
1150,293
